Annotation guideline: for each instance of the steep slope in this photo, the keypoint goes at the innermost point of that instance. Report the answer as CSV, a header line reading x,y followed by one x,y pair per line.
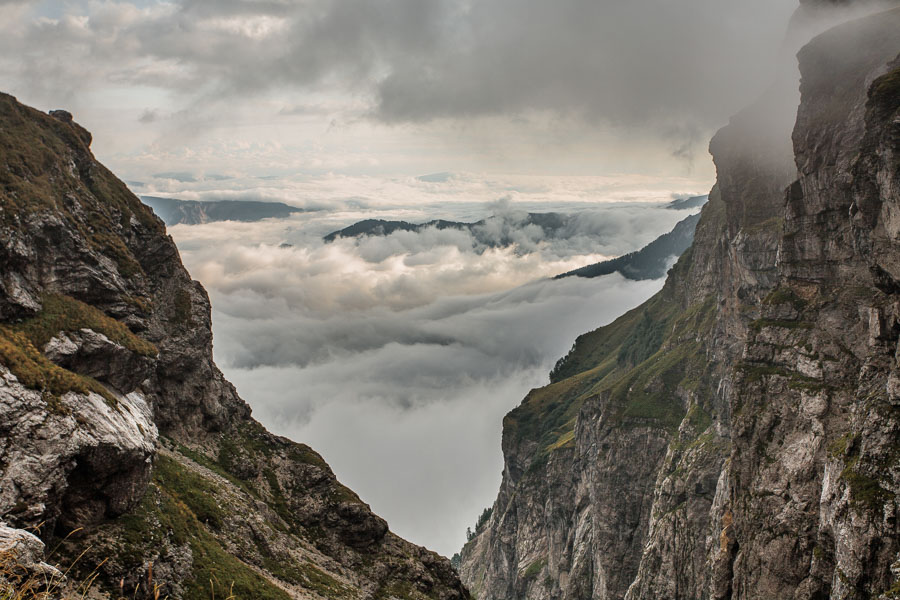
x,y
120,436
737,435
651,261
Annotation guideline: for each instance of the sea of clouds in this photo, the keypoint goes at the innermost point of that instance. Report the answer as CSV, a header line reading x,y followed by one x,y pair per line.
x,y
396,357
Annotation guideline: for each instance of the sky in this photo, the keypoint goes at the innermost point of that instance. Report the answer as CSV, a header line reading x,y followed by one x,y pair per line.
x,y
394,87
397,357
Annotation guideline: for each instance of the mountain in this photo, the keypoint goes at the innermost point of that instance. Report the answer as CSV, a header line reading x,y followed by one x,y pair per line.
x,y
738,435
651,261
497,231
192,212
381,227
121,443
688,203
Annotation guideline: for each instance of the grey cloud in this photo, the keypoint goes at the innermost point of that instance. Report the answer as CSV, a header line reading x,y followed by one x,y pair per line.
x,y
179,176
367,349
605,230
444,399
677,69
616,61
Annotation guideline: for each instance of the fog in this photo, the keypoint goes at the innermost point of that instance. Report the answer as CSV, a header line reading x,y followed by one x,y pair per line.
x,y
396,357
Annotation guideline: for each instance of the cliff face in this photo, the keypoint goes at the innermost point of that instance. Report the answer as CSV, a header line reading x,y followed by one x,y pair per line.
x,y
738,435
118,432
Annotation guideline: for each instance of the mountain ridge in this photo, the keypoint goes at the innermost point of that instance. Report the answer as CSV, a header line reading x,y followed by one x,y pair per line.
x,y
651,261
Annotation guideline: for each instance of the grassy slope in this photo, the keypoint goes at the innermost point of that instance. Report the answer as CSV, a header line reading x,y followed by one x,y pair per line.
x,y
244,529
20,344
646,364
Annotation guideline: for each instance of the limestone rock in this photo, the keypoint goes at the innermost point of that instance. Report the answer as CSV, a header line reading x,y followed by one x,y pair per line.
x,y
26,551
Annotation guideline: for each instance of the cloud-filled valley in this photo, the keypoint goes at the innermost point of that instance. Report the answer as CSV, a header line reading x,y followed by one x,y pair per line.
x,y
396,357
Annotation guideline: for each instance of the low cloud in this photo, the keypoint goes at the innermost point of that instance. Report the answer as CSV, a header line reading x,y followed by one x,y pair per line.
x,y
367,349
148,116
408,413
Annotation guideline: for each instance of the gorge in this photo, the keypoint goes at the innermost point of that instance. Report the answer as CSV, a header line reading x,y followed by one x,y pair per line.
x,y
736,436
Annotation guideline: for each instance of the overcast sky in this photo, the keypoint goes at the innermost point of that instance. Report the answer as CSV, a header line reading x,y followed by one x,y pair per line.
x,y
399,87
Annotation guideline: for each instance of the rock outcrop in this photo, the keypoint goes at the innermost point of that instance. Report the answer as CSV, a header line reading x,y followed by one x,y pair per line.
x,y
738,435
120,440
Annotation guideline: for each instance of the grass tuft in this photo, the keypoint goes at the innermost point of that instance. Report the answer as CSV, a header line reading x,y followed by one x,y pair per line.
x,y
36,372
61,313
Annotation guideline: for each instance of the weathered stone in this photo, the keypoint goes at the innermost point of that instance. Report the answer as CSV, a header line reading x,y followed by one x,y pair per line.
x,y
26,551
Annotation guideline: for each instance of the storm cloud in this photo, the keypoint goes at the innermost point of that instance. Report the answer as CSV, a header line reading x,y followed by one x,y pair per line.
x,y
644,63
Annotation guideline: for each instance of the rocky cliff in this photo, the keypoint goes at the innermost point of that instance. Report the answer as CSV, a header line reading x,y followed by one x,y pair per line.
x,y
738,435
121,444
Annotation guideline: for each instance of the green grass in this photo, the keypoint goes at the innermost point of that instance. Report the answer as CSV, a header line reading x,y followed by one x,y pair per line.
x,y
403,590
865,491
61,313
600,363
645,339
167,511
785,295
534,569
195,491
699,419
760,324
20,346
203,460
648,393
35,371
323,583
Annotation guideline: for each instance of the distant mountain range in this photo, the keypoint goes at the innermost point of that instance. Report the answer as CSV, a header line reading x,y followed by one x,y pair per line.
x,y
193,212
381,227
494,232
651,261
686,203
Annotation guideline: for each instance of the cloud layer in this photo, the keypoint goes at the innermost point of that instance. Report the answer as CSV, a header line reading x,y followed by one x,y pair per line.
x,y
419,59
567,72
397,357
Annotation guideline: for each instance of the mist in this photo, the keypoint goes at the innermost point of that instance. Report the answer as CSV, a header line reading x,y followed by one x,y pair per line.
x,y
396,357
